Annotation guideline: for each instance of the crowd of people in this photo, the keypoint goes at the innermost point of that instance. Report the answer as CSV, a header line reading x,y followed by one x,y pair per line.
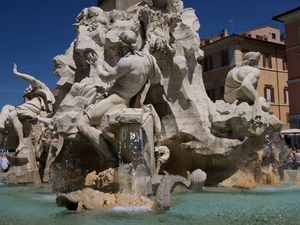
x,y
293,162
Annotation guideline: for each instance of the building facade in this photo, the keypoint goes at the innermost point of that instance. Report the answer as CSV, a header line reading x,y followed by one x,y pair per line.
x,y
224,52
291,21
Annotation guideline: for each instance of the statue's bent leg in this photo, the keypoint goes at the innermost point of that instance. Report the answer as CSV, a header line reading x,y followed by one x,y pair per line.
x,y
4,115
18,127
96,138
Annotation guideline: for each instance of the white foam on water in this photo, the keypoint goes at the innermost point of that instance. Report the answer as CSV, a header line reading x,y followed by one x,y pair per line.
x,y
47,198
131,209
279,188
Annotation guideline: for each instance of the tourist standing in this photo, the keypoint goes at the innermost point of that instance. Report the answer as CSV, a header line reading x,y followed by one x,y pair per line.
x,y
297,156
293,155
4,163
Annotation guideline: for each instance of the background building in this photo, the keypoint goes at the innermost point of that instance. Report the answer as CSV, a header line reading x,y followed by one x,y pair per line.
x,y
224,52
291,21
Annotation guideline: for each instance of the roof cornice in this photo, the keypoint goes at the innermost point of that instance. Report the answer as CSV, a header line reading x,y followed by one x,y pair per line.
x,y
231,40
288,16
223,42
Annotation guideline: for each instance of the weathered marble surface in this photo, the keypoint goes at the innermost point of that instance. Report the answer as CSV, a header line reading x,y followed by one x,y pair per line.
x,y
22,121
169,126
241,83
198,132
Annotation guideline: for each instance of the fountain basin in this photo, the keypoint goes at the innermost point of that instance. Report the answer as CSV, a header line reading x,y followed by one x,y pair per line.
x,y
35,204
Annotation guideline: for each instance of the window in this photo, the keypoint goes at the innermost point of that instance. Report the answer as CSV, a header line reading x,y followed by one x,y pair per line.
x,y
282,37
224,58
208,64
210,94
249,35
267,62
273,36
207,41
257,36
222,90
209,87
284,67
286,95
269,93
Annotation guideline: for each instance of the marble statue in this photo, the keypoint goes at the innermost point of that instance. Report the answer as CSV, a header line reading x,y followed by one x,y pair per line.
x,y
32,144
158,33
131,106
38,99
131,73
241,83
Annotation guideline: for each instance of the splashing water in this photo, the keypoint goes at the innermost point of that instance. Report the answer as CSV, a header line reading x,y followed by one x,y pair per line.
x,y
133,174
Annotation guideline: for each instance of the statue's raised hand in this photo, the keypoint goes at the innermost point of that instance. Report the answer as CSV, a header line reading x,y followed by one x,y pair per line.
x,y
15,69
92,58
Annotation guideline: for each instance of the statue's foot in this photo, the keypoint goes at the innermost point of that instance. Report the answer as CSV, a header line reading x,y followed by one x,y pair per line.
x,y
19,149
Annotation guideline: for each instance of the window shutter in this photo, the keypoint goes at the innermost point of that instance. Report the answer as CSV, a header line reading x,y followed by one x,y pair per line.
x,y
272,91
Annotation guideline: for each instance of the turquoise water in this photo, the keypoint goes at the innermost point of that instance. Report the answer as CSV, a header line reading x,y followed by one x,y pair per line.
x,y
35,204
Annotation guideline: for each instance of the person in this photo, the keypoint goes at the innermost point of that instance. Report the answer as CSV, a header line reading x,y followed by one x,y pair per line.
x,y
294,160
297,156
241,83
131,74
4,163
38,98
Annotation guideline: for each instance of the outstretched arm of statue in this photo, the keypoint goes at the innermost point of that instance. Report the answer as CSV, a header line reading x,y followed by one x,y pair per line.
x,y
122,67
34,82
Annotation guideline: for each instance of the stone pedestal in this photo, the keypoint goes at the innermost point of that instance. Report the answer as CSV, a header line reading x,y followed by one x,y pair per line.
x,y
133,133
135,138
23,166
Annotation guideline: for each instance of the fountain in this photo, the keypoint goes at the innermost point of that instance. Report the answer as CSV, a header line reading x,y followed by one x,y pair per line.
x,y
35,204
131,121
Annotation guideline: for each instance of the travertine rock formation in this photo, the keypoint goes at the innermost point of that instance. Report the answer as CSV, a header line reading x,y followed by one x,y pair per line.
x,y
297,180
89,198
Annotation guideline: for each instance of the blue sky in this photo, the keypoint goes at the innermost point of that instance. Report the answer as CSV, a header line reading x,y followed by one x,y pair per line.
x,y
33,32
